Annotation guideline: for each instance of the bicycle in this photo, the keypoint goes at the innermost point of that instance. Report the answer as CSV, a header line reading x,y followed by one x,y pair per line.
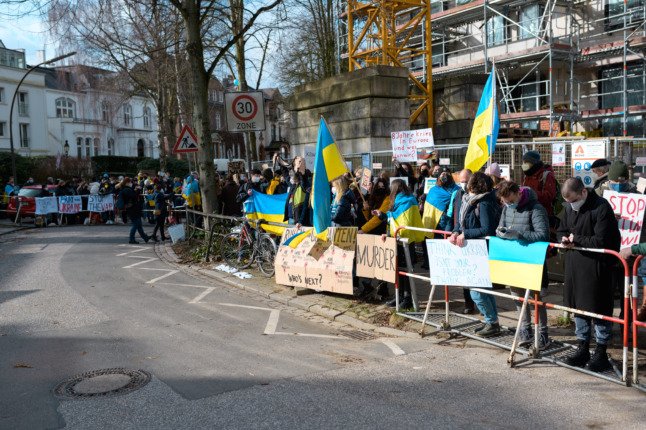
x,y
241,249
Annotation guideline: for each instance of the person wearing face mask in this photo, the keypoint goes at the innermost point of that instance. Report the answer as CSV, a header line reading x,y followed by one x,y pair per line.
x,y
478,218
524,219
248,187
618,179
540,178
424,172
588,222
343,203
600,168
405,170
297,209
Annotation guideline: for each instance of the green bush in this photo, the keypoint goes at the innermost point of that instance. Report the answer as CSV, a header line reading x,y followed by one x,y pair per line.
x,y
115,165
24,167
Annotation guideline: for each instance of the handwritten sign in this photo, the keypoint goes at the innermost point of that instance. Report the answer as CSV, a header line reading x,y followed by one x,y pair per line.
x,y
466,266
69,204
99,203
412,145
365,178
630,211
235,167
46,205
318,265
376,259
429,183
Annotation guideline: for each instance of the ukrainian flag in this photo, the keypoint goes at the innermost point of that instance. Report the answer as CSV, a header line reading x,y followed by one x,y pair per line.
x,y
328,165
517,264
295,240
437,203
267,207
405,212
484,134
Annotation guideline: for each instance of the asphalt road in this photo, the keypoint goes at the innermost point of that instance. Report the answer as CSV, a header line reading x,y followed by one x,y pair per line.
x,y
78,299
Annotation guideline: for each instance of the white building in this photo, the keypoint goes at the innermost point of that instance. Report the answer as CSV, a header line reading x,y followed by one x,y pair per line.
x,y
78,110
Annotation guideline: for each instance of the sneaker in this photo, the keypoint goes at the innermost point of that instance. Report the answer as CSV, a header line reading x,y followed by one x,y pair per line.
x,y
599,361
109,222
489,330
581,357
479,328
525,337
468,310
407,303
133,242
147,239
544,342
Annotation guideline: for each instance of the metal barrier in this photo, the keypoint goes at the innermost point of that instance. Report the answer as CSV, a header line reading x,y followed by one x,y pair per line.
x,y
636,324
556,353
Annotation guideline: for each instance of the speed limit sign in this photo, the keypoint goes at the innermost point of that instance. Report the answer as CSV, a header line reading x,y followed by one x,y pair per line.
x,y
245,111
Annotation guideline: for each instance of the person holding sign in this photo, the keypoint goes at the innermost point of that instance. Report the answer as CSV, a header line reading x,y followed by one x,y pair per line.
x,y
589,222
524,219
478,218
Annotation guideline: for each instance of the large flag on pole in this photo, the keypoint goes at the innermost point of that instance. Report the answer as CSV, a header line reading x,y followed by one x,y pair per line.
x,y
328,165
484,134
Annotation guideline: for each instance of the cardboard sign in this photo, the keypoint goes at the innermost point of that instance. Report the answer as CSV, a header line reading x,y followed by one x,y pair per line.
x,y
309,154
429,183
583,155
641,185
366,177
324,266
630,209
376,259
403,178
98,203
235,167
558,154
445,161
69,204
411,145
464,267
46,205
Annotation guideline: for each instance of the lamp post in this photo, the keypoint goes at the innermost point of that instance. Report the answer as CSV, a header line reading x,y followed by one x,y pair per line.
x,y
13,101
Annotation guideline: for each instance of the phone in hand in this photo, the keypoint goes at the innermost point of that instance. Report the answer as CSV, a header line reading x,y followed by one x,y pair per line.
x,y
503,230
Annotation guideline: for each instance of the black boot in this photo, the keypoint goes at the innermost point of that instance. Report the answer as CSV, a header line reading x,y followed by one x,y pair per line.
x,y
599,361
581,357
382,290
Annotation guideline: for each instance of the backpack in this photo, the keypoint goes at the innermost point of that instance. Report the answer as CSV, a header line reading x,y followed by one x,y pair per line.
x,y
557,203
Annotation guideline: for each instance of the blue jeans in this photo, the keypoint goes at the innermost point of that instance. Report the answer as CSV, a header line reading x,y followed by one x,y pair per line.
x,y
486,304
583,330
136,226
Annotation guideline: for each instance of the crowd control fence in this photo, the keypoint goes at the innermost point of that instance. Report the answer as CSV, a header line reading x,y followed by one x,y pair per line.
x,y
556,352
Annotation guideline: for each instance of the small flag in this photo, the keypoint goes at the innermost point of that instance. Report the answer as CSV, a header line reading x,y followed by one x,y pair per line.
x,y
516,263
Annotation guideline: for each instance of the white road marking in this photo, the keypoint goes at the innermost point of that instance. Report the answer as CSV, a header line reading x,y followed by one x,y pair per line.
x,y
159,278
272,322
151,268
183,285
147,260
233,305
140,248
393,346
326,336
202,295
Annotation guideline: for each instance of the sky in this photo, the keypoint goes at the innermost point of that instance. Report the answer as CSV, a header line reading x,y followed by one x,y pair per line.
x,y
26,33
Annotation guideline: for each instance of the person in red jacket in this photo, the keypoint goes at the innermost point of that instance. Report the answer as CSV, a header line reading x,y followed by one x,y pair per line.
x,y
540,178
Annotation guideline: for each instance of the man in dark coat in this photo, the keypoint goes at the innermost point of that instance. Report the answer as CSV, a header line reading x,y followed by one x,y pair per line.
x,y
588,222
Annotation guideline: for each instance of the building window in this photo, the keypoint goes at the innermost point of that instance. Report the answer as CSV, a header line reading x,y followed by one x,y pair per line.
x,y
110,146
218,121
611,84
79,147
141,148
127,114
147,117
614,13
24,135
3,126
529,20
97,146
495,31
221,96
64,108
88,145
213,95
105,111
23,105
1,95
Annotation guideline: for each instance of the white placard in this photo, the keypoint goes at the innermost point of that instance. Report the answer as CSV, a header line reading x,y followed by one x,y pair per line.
x,y
558,154
412,145
466,266
69,204
376,166
630,208
403,178
505,171
309,154
46,205
99,203
583,155
429,183
641,185
445,161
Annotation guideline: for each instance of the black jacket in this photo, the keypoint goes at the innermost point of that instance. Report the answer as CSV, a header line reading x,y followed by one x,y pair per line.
x,y
481,219
131,202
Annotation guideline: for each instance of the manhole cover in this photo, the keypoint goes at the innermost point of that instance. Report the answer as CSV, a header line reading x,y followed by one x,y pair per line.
x,y
358,335
103,383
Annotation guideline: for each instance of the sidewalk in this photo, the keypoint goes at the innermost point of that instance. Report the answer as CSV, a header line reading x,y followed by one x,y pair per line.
x,y
7,226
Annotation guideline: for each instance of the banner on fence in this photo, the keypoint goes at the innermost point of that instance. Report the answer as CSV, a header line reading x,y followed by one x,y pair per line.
x,y
99,203
69,204
629,209
517,264
46,205
558,154
412,145
583,155
324,266
376,258
466,266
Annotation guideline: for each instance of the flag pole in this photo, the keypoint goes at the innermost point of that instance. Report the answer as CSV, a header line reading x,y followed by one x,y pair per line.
x,y
493,110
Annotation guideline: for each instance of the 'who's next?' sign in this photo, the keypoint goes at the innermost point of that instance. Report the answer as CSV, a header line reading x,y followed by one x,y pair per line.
x,y
245,111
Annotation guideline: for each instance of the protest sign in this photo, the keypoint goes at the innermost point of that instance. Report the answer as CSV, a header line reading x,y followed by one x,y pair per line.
x,y
558,154
99,203
505,171
365,178
69,204
236,167
630,211
641,185
466,266
429,183
376,259
412,145
46,205
324,266
583,155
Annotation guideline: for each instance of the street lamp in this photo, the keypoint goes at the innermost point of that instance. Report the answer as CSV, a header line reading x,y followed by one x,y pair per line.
x,y
66,148
13,101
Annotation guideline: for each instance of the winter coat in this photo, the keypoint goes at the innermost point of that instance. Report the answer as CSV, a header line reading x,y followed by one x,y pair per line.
x,y
297,206
160,204
588,276
545,189
601,184
230,206
131,202
375,225
243,191
481,217
529,218
456,204
345,214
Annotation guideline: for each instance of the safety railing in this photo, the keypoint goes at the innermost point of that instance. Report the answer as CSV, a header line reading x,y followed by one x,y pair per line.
x,y
636,324
535,352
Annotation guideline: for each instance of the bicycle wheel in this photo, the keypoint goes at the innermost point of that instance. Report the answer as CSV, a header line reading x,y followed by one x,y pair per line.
x,y
236,252
266,254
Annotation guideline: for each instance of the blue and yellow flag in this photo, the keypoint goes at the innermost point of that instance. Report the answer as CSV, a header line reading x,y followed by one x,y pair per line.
x,y
405,212
270,208
436,204
484,134
295,240
328,165
517,264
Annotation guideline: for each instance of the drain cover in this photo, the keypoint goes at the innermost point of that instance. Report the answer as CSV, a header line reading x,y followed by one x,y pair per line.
x,y
358,335
103,383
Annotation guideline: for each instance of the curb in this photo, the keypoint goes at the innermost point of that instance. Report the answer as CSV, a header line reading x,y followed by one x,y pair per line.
x,y
298,301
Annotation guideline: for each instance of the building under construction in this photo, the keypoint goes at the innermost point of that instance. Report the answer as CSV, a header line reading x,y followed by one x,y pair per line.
x,y
565,68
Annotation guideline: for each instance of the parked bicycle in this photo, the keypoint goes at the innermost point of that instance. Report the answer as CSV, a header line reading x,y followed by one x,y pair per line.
x,y
241,249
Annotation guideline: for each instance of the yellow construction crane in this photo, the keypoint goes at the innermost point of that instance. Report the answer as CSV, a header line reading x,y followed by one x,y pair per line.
x,y
395,33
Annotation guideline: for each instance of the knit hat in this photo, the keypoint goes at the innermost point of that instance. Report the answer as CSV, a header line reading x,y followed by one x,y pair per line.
x,y
601,162
494,170
532,157
618,171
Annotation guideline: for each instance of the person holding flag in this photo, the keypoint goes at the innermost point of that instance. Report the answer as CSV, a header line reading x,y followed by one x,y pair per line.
x,y
484,134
